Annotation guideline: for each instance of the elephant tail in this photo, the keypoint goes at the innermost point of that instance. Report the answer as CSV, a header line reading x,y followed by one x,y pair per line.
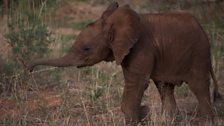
x,y
216,95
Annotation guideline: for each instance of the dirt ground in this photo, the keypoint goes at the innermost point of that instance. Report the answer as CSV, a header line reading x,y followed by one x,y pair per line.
x,y
75,101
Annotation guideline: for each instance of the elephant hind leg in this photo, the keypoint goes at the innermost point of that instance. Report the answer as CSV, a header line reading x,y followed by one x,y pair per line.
x,y
200,87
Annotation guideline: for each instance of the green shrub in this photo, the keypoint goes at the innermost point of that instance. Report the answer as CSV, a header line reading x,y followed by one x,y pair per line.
x,y
28,32
29,37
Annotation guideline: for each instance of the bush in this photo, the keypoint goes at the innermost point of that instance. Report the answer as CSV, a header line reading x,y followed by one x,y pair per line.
x,y
29,37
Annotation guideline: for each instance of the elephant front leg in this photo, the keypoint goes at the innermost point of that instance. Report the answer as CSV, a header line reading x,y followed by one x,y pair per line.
x,y
135,86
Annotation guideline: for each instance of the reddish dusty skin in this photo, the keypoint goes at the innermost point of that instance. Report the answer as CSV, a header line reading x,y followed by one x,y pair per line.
x,y
169,48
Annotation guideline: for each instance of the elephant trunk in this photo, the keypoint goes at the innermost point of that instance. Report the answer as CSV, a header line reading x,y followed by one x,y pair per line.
x,y
64,61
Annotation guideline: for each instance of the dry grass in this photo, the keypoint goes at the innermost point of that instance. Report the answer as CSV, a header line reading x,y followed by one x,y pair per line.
x,y
88,96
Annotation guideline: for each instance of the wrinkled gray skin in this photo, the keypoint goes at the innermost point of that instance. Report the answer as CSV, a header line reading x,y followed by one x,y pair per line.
x,y
169,48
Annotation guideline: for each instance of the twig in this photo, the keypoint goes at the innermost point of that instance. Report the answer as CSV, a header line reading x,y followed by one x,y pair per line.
x,y
85,110
43,70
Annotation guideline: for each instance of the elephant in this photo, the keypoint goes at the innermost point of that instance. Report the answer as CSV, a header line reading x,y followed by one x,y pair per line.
x,y
169,48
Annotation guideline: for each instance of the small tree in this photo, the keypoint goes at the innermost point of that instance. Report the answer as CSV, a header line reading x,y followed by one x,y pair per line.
x,y
29,37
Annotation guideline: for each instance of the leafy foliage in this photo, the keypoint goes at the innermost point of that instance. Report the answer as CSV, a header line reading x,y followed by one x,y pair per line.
x,y
29,36
28,33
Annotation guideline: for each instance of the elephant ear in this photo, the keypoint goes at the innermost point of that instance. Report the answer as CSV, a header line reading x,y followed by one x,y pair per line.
x,y
126,27
110,9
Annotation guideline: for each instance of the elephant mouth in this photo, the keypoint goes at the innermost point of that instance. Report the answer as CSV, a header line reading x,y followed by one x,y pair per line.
x,y
81,66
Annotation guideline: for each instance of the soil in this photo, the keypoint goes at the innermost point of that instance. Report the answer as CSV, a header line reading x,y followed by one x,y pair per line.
x,y
49,98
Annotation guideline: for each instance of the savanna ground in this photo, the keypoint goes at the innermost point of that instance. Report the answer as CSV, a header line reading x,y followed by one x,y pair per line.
x,y
89,96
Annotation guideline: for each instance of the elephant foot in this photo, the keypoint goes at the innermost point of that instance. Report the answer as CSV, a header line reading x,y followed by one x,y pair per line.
x,y
144,112
131,124
204,121
142,117
171,117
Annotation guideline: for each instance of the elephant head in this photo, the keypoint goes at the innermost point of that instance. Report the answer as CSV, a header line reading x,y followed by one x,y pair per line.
x,y
109,38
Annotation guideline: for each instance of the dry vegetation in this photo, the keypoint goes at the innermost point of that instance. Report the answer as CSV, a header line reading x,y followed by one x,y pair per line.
x,y
91,96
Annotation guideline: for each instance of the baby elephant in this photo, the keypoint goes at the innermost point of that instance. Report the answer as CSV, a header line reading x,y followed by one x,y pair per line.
x,y
169,48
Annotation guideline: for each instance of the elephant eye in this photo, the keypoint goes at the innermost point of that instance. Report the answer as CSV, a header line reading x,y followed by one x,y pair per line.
x,y
85,48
